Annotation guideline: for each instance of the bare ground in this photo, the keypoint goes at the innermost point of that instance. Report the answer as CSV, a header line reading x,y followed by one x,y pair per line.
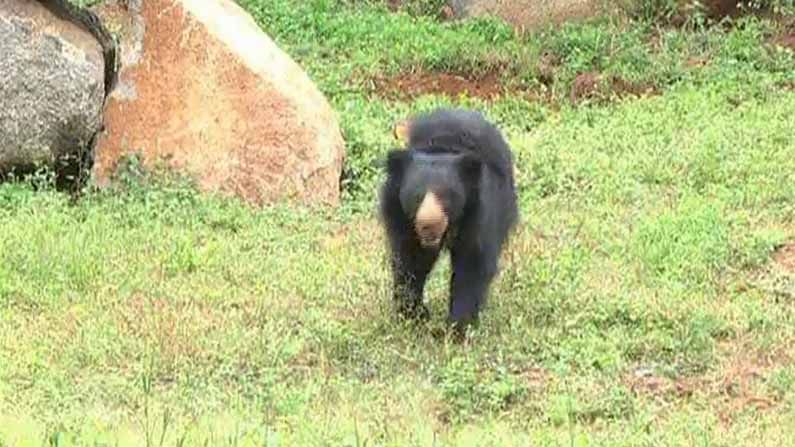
x,y
491,86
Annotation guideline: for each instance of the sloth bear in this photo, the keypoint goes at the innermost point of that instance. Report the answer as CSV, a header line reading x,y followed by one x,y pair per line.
x,y
453,188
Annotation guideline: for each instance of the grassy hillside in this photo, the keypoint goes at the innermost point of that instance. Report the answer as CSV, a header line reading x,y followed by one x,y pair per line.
x,y
646,299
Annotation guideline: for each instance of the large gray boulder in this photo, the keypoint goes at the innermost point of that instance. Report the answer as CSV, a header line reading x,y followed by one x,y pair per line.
x,y
529,14
53,82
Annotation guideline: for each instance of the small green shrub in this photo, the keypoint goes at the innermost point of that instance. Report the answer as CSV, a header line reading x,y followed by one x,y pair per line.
x,y
472,391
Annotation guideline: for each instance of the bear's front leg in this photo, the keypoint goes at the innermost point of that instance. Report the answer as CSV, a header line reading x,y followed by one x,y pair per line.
x,y
472,274
410,267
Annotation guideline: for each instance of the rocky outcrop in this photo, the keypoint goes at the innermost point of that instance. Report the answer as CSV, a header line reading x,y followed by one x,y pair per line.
x,y
205,91
57,64
528,14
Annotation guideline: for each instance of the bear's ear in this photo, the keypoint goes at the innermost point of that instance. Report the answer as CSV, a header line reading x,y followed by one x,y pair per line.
x,y
469,167
402,131
396,161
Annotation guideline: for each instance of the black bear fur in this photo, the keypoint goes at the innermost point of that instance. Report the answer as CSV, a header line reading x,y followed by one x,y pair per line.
x,y
465,161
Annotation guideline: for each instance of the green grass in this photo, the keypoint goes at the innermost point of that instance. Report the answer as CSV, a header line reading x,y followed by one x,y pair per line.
x,y
345,43
637,304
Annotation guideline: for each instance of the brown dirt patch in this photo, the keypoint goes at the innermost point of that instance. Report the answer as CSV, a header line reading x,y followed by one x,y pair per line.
x,y
718,9
785,257
789,86
410,85
445,12
622,87
735,385
785,41
696,62
595,86
585,86
777,277
491,86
